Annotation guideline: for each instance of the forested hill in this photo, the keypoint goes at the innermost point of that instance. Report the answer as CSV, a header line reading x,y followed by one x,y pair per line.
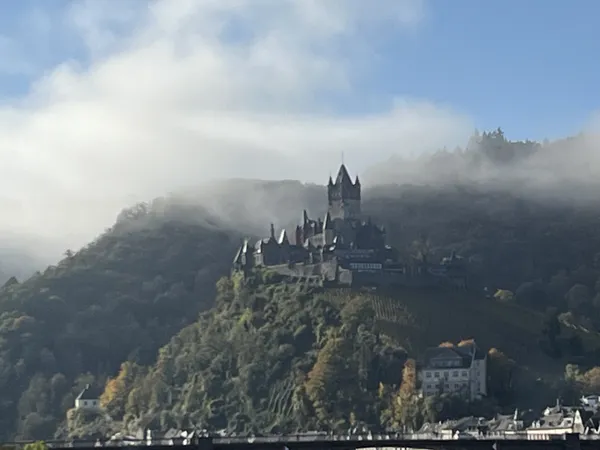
x,y
141,285
276,358
120,298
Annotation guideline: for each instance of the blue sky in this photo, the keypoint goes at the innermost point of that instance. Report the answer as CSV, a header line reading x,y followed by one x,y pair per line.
x,y
528,66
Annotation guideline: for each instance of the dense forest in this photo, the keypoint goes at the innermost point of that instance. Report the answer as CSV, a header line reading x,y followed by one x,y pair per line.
x,y
149,313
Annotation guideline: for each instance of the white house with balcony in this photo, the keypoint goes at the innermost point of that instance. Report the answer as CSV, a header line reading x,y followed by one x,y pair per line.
x,y
459,369
89,398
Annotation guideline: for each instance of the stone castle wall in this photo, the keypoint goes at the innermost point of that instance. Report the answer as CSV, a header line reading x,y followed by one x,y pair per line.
x,y
330,273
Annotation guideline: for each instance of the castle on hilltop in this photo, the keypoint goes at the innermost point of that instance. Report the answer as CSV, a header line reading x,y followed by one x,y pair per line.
x,y
343,249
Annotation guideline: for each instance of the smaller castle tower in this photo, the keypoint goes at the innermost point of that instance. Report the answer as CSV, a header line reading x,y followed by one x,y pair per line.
x,y
328,230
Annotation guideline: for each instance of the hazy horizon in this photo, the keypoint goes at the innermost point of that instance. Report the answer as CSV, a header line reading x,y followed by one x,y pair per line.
x,y
106,104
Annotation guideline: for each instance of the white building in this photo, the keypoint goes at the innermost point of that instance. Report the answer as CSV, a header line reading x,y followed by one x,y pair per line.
x,y
89,398
461,370
593,401
556,422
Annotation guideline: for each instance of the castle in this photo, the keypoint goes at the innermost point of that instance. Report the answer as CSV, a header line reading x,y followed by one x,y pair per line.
x,y
344,249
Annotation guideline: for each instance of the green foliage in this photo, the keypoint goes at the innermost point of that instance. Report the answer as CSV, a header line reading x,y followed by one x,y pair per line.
x,y
276,357
120,298
39,445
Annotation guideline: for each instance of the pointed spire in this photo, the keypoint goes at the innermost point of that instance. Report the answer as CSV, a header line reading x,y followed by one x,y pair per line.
x,y
238,256
357,181
304,216
327,225
343,177
283,238
330,181
298,235
272,231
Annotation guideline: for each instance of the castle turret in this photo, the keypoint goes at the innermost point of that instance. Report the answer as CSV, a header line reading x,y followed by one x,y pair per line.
x,y
283,238
328,230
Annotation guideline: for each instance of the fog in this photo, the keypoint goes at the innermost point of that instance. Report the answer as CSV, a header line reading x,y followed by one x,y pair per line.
x,y
181,95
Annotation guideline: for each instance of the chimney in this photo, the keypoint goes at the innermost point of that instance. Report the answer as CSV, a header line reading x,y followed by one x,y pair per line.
x,y
272,231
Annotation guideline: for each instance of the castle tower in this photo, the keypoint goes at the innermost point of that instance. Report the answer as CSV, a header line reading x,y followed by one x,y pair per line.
x,y
328,230
343,196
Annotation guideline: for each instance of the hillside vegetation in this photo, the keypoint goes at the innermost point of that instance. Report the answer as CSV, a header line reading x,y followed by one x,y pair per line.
x,y
280,358
120,298
123,313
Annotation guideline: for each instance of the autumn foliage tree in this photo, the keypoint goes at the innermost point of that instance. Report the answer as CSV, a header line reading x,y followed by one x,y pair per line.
x,y
466,342
324,378
501,374
408,408
117,390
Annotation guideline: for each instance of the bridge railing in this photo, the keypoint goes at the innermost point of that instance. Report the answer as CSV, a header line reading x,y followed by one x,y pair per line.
x,y
377,439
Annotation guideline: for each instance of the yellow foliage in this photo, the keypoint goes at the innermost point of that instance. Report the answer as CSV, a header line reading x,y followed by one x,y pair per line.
x,y
591,380
446,344
409,378
466,342
116,390
504,295
110,392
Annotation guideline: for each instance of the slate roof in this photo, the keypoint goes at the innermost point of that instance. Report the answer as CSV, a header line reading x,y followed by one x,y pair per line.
x,y
466,353
89,393
343,176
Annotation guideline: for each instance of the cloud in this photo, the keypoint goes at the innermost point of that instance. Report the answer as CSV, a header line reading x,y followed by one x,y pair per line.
x,y
164,95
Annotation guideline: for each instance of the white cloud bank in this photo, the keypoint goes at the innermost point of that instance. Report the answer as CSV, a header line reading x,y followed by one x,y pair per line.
x,y
182,91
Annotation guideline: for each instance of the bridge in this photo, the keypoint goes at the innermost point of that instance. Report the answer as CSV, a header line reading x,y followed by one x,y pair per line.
x,y
571,441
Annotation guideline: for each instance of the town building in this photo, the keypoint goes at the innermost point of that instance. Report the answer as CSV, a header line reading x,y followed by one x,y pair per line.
x,y
88,398
344,248
458,370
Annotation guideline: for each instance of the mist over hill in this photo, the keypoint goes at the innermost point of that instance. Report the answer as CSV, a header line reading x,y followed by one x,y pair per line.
x,y
565,169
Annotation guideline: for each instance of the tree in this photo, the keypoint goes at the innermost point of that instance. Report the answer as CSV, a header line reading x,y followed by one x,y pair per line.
x,y
504,295
324,378
466,342
117,390
408,386
590,381
577,297
500,375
